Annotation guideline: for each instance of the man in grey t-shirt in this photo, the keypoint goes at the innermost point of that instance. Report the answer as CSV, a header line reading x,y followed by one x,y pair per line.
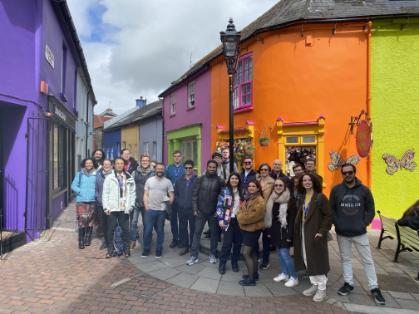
x,y
158,194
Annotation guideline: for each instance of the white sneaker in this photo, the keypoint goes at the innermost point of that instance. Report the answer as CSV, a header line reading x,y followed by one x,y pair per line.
x,y
310,291
192,260
212,259
320,295
281,277
292,282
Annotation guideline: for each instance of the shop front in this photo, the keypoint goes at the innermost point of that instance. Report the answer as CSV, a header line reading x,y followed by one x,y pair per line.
x,y
61,157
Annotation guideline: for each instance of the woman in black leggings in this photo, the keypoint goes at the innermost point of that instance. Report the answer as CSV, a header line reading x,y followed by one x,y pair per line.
x,y
251,221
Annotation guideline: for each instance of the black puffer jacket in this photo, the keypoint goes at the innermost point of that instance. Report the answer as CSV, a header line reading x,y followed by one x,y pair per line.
x,y
140,176
205,193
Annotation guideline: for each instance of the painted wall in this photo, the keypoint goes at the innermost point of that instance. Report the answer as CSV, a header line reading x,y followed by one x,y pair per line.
x,y
112,143
151,131
395,111
81,124
299,79
184,117
130,137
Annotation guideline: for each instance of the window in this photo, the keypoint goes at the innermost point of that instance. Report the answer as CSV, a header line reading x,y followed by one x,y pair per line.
x,y
191,94
302,140
172,105
242,82
59,157
146,148
189,149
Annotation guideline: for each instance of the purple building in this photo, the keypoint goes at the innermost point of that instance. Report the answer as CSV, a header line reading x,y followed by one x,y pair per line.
x,y
40,57
187,117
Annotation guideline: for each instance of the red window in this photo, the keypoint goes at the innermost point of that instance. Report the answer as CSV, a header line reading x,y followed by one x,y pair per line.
x,y
242,93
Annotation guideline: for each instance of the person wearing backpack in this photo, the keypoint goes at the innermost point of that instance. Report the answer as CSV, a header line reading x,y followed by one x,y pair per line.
x,y
84,185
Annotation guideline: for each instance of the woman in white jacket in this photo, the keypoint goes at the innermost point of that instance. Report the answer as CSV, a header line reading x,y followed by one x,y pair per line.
x,y
118,199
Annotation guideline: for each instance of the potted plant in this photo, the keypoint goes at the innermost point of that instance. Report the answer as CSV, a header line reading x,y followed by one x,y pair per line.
x,y
264,140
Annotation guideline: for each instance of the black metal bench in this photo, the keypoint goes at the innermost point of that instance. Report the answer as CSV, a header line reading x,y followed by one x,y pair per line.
x,y
407,238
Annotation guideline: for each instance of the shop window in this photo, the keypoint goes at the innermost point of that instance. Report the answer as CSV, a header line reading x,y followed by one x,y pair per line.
x,y
59,157
191,94
292,139
307,139
189,149
154,151
242,83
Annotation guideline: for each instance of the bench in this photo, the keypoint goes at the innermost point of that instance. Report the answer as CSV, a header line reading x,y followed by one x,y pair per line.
x,y
407,238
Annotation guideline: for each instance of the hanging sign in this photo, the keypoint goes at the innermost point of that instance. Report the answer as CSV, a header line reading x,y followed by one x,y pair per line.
x,y
363,138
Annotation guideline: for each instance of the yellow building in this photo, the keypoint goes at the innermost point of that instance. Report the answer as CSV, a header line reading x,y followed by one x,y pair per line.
x,y
130,138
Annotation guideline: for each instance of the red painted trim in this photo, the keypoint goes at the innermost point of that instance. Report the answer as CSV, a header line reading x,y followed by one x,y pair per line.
x,y
243,109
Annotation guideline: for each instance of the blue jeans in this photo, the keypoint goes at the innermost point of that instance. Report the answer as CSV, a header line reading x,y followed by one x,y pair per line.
x,y
286,262
135,215
154,218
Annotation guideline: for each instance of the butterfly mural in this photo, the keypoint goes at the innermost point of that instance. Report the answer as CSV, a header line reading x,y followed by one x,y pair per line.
x,y
394,164
337,161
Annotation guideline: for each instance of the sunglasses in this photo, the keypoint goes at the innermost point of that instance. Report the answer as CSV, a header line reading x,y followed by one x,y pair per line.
x,y
279,185
264,169
188,167
247,162
347,173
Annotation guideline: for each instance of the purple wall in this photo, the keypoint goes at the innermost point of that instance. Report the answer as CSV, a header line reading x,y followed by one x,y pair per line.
x,y
184,117
25,28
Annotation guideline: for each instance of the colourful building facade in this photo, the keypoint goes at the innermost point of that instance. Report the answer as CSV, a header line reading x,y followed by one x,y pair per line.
x,y
395,112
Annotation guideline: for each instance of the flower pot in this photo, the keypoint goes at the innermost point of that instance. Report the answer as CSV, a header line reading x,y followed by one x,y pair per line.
x,y
264,141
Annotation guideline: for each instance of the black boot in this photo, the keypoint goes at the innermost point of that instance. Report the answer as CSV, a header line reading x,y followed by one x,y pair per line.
x,y
81,237
235,266
88,236
222,268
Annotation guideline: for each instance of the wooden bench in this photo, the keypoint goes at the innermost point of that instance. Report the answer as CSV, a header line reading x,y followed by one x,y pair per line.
x,y
407,238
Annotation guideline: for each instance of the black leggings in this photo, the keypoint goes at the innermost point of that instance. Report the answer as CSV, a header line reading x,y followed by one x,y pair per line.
x,y
250,259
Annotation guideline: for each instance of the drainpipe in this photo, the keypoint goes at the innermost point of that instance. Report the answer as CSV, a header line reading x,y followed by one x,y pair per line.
x,y
87,121
369,174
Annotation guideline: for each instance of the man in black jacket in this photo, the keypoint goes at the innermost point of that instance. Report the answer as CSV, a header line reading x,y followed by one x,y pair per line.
x,y
353,210
141,174
247,174
183,202
204,203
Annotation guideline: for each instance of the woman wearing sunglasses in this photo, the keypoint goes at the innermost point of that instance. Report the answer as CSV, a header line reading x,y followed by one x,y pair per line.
x,y
280,217
251,221
313,221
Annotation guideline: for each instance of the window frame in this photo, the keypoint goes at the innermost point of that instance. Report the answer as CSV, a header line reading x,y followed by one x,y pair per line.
x,y
191,95
172,105
241,81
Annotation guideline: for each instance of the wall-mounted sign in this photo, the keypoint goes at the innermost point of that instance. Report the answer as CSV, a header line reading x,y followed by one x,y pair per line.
x,y
49,56
363,138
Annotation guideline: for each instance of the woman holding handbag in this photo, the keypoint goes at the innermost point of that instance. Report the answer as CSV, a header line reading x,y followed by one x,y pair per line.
x,y
227,208
84,185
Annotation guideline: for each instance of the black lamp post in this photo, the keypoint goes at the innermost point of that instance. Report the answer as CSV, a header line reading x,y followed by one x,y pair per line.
x,y
231,48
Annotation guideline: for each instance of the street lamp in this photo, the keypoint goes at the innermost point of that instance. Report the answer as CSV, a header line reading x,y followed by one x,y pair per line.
x,y
231,48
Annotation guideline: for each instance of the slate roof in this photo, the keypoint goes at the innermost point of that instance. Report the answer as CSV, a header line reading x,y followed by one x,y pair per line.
x,y
288,12
134,115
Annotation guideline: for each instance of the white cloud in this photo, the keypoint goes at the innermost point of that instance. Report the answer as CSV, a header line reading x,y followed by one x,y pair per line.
x,y
154,43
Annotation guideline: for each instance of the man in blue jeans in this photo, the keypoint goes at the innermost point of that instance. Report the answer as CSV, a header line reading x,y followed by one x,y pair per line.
x,y
158,195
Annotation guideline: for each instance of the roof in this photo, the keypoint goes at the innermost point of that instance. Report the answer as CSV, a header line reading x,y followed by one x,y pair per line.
x,y
99,120
134,115
63,14
289,12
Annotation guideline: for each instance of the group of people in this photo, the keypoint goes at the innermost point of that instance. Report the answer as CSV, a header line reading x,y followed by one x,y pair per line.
x,y
291,215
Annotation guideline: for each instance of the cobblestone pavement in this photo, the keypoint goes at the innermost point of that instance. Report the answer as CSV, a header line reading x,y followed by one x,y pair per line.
x,y
52,275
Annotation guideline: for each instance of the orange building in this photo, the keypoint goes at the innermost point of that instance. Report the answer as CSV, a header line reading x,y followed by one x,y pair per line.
x,y
306,82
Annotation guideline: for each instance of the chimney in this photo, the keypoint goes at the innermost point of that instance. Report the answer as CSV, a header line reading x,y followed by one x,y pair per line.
x,y
140,102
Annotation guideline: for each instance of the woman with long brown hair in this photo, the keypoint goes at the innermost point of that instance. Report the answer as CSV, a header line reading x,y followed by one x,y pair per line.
x,y
313,221
251,221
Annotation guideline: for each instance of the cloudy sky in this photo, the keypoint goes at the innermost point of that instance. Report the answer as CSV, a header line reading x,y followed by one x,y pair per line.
x,y
137,47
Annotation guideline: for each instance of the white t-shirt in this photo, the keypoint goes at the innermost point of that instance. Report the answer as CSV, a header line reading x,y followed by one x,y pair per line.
x,y
158,192
236,204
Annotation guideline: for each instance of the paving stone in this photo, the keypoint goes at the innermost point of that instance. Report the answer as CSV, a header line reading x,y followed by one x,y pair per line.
x,y
183,280
230,288
408,304
257,291
209,273
402,295
164,273
278,289
206,285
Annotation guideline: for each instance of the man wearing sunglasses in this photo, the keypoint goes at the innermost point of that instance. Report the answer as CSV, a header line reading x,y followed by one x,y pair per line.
x,y
353,210
247,174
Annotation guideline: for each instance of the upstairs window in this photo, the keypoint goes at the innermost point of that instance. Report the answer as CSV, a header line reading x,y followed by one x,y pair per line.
x,y
172,105
191,94
242,84
64,71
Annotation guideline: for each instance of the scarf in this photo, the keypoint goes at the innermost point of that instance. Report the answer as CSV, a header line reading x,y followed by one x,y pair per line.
x,y
283,200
